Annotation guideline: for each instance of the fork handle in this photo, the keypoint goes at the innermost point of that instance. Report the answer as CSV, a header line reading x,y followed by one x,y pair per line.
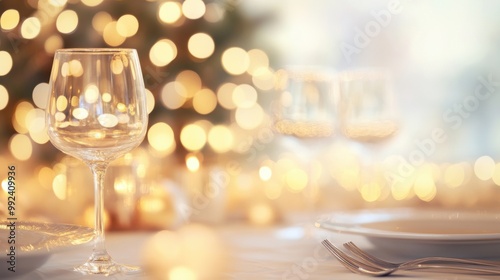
x,y
454,268
430,260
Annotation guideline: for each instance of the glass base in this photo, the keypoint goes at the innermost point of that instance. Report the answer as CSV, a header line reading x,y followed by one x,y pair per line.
x,y
104,265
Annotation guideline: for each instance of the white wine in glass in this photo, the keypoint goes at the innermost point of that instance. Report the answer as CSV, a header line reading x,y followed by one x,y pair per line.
x,y
97,113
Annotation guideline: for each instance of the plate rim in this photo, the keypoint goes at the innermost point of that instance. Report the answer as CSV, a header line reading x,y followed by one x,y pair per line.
x,y
397,214
85,235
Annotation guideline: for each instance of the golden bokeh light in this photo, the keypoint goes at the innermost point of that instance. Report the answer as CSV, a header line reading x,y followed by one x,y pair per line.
x,y
261,214
204,101
72,68
348,178
193,9
100,21
201,45
67,21
64,70
5,185
20,147
424,186
402,190
150,101
9,19
106,97
220,138
265,173
193,137
92,3
19,119
244,96
214,12
35,123
4,97
91,94
127,25
74,100
190,252
60,187
61,103
75,68
496,174
170,12
192,162
225,95
296,179
162,52
182,273
107,120
30,28
273,191
205,124
46,176
111,35
117,66
190,82
6,63
58,3
121,107
454,175
371,191
80,113
53,43
257,59
124,185
249,118
161,138
170,96
484,167
264,78
235,61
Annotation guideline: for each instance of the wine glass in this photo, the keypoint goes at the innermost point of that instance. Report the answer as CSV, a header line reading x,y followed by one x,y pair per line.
x,y
97,113
306,112
367,114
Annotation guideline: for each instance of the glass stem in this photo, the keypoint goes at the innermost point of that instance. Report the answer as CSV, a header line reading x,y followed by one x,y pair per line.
x,y
99,171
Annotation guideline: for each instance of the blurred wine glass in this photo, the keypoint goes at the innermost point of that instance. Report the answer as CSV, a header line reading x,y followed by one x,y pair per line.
x,y
97,113
368,117
305,113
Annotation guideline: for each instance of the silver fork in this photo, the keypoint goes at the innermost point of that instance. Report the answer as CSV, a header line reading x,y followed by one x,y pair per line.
x,y
360,267
365,256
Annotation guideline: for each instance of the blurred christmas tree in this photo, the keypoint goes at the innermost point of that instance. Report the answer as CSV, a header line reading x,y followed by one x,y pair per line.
x,y
193,55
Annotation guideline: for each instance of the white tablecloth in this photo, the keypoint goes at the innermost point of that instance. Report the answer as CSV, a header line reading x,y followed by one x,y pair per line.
x,y
287,252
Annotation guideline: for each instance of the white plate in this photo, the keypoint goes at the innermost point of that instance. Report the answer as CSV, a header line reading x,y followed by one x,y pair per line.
x,y
36,242
419,232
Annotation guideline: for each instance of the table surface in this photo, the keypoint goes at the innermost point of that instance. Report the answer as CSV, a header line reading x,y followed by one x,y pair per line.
x,y
277,252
